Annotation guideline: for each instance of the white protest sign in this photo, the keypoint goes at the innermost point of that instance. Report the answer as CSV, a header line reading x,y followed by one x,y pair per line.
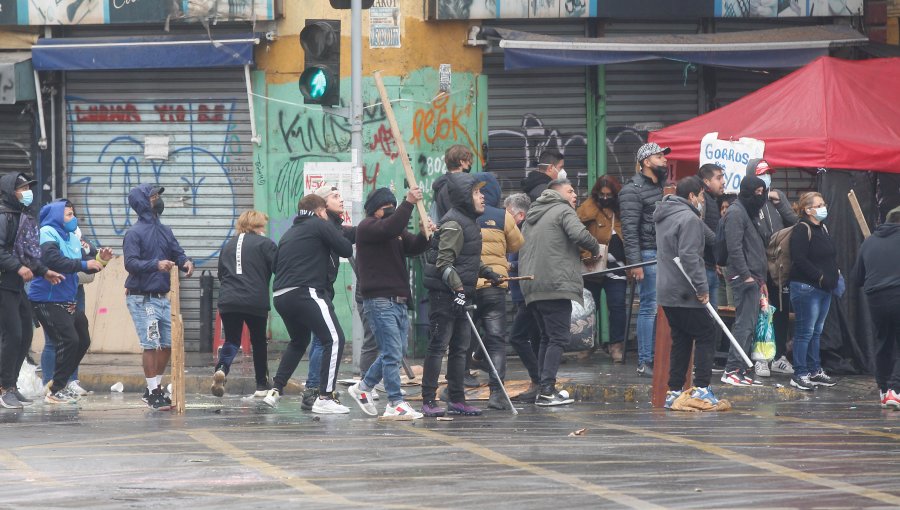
x,y
330,173
732,156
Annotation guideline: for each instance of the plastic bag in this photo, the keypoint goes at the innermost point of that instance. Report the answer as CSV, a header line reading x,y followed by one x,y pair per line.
x,y
29,383
764,346
581,330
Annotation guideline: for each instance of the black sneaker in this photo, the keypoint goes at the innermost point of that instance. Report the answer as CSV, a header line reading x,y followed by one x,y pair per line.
x,y
802,382
529,395
158,401
146,396
27,401
498,401
644,369
550,397
820,378
470,381
309,398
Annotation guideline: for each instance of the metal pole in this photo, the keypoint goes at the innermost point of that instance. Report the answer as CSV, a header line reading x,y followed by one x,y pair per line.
x,y
356,148
487,357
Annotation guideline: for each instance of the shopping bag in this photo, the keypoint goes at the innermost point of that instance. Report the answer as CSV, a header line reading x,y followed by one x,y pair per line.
x,y
581,330
764,345
29,383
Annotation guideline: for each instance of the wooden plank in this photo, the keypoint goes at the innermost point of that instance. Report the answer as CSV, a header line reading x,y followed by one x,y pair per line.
x,y
893,30
857,212
177,342
401,147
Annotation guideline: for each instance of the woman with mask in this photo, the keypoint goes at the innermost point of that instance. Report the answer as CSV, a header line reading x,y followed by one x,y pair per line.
x,y
55,305
600,214
814,275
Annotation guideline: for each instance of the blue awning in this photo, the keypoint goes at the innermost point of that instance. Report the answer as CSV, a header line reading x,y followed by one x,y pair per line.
x,y
774,48
145,52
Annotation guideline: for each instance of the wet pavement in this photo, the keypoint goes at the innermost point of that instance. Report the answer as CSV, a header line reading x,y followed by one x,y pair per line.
x,y
110,451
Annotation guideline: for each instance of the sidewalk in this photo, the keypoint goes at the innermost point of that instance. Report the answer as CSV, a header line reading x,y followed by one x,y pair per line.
x,y
594,380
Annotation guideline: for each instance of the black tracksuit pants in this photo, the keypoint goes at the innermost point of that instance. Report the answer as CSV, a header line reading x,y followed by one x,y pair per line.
x,y
690,325
15,335
72,336
884,307
305,311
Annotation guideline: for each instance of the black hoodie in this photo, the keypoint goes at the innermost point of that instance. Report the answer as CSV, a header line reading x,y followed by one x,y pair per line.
x,y
304,253
10,213
535,183
876,266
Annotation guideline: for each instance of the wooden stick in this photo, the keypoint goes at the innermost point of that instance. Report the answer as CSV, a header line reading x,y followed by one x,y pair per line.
x,y
517,278
401,147
177,342
857,211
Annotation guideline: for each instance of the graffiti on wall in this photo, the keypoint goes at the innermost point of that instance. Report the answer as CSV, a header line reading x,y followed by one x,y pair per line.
x,y
101,12
787,8
520,148
201,173
490,9
7,83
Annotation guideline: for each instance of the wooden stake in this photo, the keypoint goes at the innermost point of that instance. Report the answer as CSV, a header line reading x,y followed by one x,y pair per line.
x,y
401,147
177,342
857,211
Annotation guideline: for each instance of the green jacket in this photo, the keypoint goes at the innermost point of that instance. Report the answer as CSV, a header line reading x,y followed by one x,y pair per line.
x,y
553,236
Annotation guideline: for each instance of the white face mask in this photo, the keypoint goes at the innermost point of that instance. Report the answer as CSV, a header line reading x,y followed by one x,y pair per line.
x,y
562,174
766,178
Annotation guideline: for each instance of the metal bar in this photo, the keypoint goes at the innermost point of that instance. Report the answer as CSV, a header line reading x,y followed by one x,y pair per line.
x,y
487,357
42,143
621,268
254,137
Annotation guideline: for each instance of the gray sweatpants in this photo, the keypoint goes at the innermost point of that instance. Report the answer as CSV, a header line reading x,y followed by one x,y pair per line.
x,y
746,313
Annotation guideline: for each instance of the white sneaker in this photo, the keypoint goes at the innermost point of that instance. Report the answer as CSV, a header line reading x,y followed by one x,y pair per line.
x,y
380,387
362,398
782,366
761,368
329,406
374,394
272,398
402,409
76,388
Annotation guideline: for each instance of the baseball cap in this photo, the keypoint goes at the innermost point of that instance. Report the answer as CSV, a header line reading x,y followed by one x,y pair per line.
x,y
22,180
649,149
763,167
326,190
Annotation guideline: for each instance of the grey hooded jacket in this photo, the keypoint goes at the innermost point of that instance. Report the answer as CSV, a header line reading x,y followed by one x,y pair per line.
x,y
553,237
679,233
746,250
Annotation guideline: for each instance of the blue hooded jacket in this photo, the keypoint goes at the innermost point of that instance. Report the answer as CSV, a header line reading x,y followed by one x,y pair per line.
x,y
146,243
61,252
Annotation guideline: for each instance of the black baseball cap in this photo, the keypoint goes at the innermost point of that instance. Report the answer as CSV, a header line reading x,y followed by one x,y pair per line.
x,y
22,180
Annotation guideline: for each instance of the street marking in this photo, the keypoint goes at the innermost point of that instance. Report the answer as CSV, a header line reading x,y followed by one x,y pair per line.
x,y
84,442
16,465
214,443
499,458
763,465
836,426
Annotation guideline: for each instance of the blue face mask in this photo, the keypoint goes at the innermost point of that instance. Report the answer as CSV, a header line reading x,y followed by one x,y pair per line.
x,y
27,197
766,178
821,213
71,225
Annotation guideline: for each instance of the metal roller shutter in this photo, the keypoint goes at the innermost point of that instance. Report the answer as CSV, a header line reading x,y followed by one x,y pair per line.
x,y
644,96
208,173
535,109
17,151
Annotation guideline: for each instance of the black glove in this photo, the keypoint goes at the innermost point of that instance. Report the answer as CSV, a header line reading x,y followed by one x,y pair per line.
x,y
459,302
495,278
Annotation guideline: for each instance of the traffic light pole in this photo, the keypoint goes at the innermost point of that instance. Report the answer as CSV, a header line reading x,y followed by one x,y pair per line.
x,y
356,149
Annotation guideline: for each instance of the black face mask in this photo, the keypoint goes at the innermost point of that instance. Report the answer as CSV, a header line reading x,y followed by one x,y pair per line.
x,y
388,211
607,203
159,206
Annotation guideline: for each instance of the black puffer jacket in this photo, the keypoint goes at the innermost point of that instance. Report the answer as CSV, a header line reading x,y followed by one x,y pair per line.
x,y
637,202
711,217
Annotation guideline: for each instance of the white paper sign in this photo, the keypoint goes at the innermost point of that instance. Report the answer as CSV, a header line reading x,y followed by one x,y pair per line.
x,y
156,147
730,155
331,173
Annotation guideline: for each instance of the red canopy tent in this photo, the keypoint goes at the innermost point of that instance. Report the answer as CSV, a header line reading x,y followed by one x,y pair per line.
x,y
832,113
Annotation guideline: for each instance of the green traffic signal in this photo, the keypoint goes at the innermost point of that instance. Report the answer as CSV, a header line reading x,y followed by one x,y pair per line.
x,y
318,84
320,80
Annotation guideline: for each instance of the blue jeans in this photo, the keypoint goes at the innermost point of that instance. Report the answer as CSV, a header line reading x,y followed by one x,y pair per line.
x,y
152,319
810,306
315,362
390,323
646,321
48,355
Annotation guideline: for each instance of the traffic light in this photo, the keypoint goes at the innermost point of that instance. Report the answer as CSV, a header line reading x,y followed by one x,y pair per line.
x,y
320,82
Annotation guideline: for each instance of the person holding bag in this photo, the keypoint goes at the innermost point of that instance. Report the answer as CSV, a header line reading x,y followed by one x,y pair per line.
x,y
814,275
600,214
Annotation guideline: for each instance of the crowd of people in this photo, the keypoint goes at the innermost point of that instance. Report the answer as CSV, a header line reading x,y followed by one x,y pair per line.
x,y
682,245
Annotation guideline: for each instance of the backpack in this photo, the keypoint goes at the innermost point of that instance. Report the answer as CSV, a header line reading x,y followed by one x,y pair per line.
x,y
720,249
778,253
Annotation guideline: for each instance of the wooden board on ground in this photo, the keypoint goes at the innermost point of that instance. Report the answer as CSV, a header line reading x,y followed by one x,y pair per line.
x,y
483,392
